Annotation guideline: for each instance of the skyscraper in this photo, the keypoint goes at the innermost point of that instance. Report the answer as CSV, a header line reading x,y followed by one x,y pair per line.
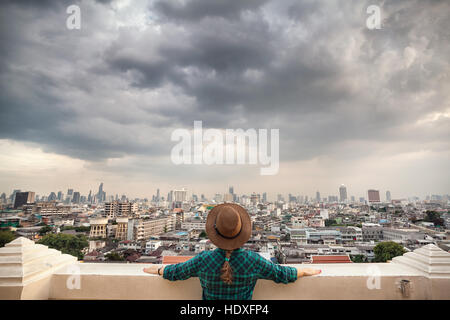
x,y
69,195
101,195
76,197
23,198
342,193
374,195
388,196
318,196
13,195
180,195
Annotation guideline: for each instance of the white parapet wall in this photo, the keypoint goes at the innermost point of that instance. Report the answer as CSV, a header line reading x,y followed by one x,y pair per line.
x,y
26,269
31,271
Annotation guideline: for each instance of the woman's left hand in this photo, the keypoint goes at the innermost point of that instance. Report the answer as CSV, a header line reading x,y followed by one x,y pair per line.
x,y
153,269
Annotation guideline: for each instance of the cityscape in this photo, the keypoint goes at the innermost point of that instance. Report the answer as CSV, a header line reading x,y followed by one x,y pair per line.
x,y
124,124
293,229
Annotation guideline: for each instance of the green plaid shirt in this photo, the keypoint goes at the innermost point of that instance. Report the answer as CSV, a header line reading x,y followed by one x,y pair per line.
x,y
247,266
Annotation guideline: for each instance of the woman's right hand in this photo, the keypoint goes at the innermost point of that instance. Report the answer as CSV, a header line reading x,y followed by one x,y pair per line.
x,y
303,272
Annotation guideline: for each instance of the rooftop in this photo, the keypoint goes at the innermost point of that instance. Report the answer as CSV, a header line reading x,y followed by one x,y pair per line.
x,y
331,259
175,259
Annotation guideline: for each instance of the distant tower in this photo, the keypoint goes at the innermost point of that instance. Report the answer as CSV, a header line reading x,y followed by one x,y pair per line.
x,y
388,196
318,196
374,195
342,193
23,198
100,193
76,197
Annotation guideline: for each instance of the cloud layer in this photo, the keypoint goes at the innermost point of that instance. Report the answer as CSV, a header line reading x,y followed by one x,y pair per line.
x,y
342,95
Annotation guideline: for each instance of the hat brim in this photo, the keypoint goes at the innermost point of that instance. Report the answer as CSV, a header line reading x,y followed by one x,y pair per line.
x,y
225,243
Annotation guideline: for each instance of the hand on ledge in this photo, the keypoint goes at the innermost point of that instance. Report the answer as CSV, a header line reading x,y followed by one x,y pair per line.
x,y
153,269
303,272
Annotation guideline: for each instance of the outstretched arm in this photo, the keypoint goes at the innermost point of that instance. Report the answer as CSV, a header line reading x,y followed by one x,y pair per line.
x,y
153,269
284,274
179,271
303,272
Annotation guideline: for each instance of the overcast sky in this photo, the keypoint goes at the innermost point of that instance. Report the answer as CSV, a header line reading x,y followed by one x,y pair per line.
x,y
364,108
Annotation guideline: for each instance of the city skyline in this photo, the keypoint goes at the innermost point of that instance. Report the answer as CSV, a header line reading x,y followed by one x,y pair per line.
x,y
367,108
158,193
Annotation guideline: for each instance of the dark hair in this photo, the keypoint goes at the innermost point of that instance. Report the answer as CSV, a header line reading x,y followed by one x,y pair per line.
x,y
226,271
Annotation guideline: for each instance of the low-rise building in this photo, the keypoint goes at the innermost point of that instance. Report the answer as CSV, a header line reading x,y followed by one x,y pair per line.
x,y
372,232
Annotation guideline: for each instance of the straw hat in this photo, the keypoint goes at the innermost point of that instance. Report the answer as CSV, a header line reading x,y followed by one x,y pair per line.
x,y
228,226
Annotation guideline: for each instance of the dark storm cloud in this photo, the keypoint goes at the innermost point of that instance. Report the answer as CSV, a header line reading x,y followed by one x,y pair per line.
x,y
310,68
195,10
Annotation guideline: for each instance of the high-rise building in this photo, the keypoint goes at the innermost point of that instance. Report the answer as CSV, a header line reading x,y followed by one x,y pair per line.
x,y
69,196
180,195
13,195
218,198
254,198
342,193
52,196
22,198
101,195
116,209
264,197
76,197
60,196
318,196
3,198
388,196
374,195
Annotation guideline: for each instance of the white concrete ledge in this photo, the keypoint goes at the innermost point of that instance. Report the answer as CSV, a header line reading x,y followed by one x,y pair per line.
x,y
61,277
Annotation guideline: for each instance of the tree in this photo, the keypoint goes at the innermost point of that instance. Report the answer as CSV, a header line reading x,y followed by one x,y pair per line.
x,y
329,222
44,230
82,229
114,256
286,237
385,251
435,217
6,236
358,258
66,243
202,234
